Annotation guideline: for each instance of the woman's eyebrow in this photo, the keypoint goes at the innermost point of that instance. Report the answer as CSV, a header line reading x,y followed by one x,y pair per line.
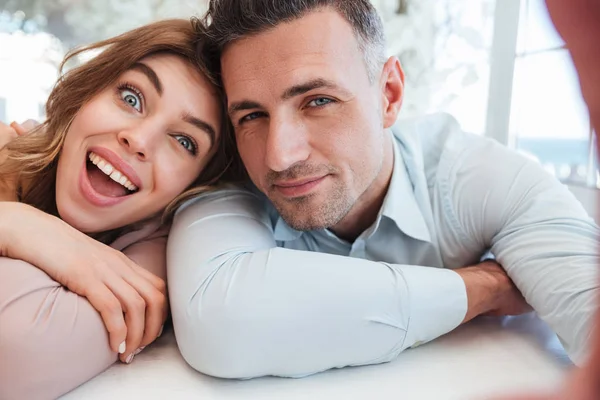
x,y
150,74
204,126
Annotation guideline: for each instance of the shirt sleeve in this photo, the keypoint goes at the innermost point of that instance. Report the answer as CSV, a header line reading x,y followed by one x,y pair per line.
x,y
243,307
51,339
537,230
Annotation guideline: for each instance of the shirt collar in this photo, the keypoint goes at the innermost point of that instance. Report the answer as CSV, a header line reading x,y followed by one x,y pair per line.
x,y
283,232
399,205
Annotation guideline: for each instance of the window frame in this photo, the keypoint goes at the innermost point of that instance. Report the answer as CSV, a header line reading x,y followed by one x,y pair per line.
x,y
503,59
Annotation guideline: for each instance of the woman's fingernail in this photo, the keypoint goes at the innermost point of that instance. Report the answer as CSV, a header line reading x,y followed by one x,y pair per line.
x,y
122,347
138,351
129,358
160,332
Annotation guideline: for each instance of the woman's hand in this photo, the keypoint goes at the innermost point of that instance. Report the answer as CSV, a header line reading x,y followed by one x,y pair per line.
x,y
132,301
9,132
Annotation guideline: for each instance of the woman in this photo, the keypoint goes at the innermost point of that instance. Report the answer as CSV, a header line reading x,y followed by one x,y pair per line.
x,y
129,135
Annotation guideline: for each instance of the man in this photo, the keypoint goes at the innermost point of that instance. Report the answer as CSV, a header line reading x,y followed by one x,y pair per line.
x,y
350,245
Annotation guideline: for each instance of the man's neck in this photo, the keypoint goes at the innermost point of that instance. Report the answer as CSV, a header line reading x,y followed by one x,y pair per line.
x,y
366,209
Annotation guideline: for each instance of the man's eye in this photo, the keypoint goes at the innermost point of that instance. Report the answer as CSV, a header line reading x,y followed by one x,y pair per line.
x,y
320,102
250,117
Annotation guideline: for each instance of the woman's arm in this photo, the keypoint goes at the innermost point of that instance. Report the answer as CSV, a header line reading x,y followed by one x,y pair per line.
x,y
51,339
151,255
131,301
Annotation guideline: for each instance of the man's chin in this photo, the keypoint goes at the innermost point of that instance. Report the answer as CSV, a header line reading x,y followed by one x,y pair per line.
x,y
304,224
307,216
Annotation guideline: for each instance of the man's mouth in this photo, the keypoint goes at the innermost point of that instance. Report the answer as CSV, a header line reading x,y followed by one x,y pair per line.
x,y
298,188
106,179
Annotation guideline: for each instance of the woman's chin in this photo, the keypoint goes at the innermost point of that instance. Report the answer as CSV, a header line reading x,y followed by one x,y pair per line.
x,y
98,221
83,222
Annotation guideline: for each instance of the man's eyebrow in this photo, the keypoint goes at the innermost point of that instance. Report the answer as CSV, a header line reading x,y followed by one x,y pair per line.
x,y
150,74
294,91
205,126
305,87
243,105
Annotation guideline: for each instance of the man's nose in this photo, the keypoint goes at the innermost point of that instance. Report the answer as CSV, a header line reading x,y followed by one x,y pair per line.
x,y
287,144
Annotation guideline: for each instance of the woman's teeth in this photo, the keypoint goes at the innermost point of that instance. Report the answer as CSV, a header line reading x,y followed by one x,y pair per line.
x,y
111,171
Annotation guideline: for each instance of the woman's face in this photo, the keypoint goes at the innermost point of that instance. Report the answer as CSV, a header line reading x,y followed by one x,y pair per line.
x,y
137,145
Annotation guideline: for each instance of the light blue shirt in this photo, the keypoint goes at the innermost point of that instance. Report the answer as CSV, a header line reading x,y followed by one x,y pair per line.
x,y
251,296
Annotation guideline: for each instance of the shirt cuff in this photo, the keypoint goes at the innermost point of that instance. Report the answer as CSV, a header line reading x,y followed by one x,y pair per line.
x,y
438,303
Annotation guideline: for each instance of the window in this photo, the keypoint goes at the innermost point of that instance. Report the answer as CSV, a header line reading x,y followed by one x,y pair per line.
x,y
444,47
500,68
535,103
35,35
3,110
539,110
29,59
549,118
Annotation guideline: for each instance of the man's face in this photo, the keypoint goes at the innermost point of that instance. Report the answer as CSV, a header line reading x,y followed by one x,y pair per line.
x,y
308,122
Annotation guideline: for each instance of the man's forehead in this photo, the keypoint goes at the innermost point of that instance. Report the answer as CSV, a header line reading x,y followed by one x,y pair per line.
x,y
304,49
321,34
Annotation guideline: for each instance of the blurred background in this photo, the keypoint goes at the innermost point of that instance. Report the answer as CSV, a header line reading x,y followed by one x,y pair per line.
x,y
498,66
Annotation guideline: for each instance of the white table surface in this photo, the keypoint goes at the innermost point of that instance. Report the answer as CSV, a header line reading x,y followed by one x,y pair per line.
x,y
487,357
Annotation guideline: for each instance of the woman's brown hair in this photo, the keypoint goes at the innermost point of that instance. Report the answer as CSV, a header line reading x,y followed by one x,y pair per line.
x,y
32,159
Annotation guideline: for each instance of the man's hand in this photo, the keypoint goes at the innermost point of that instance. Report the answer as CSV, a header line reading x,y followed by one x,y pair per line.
x,y
491,292
131,301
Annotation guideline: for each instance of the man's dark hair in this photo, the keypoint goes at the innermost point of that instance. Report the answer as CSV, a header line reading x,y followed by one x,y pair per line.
x,y
229,20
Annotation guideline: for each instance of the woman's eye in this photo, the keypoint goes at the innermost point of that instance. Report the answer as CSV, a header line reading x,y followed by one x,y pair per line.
x,y
132,99
187,143
320,102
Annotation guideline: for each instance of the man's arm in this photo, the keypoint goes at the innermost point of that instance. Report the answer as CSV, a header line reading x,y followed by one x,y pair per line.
x,y
242,307
536,229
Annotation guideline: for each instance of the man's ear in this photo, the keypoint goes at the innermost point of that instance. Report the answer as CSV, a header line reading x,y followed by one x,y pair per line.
x,y
392,91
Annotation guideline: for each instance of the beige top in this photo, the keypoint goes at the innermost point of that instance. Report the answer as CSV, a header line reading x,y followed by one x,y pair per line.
x,y
51,339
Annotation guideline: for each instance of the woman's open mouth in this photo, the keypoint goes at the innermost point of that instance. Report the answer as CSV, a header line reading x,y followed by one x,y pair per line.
x,y
102,183
106,179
